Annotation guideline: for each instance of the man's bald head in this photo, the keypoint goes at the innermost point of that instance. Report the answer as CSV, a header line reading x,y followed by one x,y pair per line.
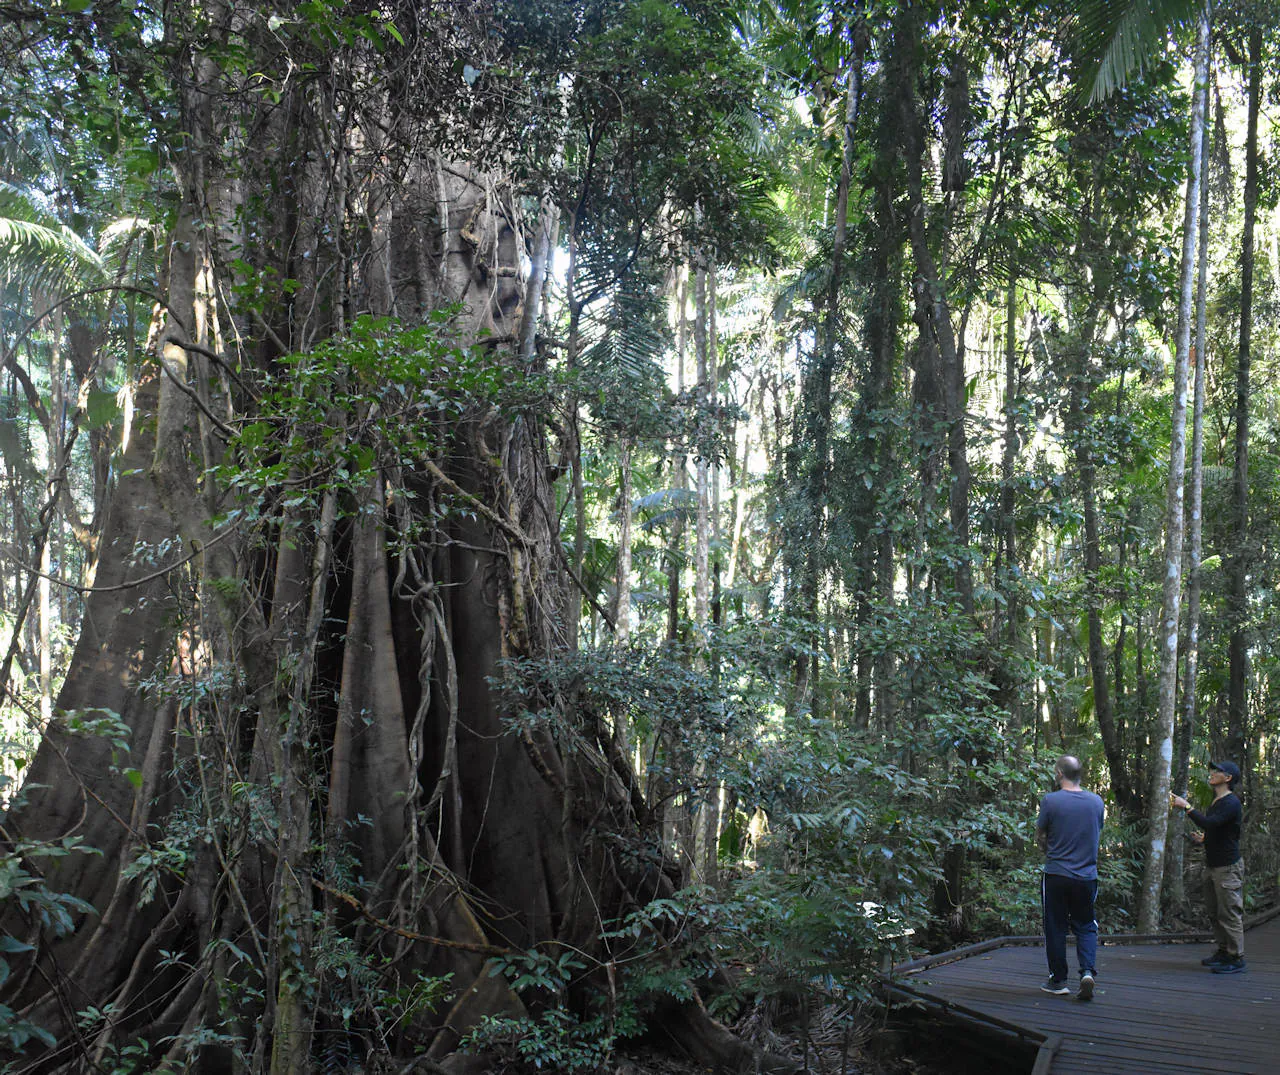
x,y
1069,768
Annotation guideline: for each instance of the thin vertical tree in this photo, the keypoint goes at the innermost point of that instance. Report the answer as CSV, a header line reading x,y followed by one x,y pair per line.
x,y
1195,539
1238,562
1161,763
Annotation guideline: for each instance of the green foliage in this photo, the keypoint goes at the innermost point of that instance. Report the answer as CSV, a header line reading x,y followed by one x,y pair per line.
x,y
382,397
536,970
848,866
23,886
554,1041
650,693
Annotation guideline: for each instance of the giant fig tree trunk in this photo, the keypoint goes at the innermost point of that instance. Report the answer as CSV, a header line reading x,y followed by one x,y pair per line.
x,y
334,822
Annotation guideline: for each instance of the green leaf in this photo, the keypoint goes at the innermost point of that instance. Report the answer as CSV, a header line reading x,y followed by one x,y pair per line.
x,y
101,409
142,162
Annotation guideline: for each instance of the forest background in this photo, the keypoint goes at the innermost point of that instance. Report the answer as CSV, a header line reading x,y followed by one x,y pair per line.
x,y
524,521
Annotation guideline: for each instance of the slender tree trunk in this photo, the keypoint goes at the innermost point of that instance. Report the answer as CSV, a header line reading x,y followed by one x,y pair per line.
x,y
933,306
816,401
1078,418
622,586
44,627
702,537
577,483
1007,554
679,471
739,502
1162,735
1237,603
1195,531
873,539
714,793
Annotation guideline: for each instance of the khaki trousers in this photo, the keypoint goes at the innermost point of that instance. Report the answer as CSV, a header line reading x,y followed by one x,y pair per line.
x,y
1224,900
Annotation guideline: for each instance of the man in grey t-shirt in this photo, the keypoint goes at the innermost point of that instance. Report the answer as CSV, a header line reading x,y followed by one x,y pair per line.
x,y
1067,831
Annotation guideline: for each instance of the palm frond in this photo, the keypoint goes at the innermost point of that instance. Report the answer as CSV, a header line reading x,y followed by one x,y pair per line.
x,y
666,499
628,334
807,285
37,250
118,245
1118,37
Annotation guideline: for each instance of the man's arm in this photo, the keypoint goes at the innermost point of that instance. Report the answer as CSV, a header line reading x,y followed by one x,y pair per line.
x,y
1219,815
1042,826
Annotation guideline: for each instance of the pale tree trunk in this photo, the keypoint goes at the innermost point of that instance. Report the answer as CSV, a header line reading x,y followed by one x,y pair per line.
x,y
679,471
694,778
57,410
546,228
738,499
713,392
1162,734
1007,546
573,442
1238,562
1195,532
623,581
702,538
710,808
1010,628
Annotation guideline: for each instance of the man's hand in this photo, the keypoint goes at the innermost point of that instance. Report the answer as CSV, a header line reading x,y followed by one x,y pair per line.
x,y
1042,839
1178,801
1197,837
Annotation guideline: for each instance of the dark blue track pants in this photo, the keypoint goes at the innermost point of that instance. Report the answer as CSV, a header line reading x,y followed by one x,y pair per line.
x,y
1068,904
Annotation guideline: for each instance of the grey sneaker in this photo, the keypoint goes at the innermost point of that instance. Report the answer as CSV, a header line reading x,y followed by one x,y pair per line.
x,y
1056,986
1086,986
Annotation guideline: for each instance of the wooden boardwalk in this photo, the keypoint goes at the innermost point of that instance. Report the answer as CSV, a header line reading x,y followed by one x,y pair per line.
x,y
1156,1009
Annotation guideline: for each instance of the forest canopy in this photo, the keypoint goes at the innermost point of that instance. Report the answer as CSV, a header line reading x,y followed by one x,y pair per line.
x,y
535,527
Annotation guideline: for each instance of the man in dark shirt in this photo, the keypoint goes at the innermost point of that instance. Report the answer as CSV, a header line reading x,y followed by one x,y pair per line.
x,y
1224,867
1067,830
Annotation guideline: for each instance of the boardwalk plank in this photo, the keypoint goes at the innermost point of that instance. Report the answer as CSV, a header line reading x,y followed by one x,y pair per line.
x,y
1156,1009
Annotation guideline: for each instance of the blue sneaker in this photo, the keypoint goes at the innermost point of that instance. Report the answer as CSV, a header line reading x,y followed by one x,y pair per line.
x,y
1056,986
1231,965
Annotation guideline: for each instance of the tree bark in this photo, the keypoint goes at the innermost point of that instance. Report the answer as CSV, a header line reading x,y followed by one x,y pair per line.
x,y
1079,422
1238,564
933,306
1195,532
623,581
702,534
1162,733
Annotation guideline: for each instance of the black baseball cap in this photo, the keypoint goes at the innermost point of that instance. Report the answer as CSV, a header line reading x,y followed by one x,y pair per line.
x,y
1229,767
